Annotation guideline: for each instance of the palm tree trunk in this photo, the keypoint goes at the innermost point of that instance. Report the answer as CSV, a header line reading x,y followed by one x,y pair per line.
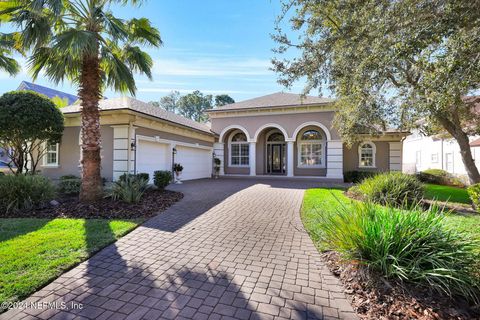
x,y
89,94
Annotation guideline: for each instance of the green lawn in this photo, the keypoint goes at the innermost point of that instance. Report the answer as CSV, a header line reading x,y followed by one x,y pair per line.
x,y
446,193
33,252
318,200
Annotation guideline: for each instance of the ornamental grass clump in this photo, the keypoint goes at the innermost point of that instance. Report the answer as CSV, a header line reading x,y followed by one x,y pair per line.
x,y
24,192
411,246
130,189
392,188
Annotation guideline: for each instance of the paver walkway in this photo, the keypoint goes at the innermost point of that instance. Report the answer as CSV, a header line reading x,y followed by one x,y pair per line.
x,y
232,248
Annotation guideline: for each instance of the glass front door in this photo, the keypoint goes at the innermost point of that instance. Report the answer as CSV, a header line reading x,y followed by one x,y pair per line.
x,y
275,158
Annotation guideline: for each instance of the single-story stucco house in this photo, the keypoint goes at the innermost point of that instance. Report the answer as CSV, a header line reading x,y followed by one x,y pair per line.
x,y
281,134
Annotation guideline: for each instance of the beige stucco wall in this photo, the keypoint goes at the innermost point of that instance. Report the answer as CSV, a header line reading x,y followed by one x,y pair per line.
x,y
350,157
289,122
69,154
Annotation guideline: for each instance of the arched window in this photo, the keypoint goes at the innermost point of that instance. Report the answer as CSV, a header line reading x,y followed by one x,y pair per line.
x,y
366,155
310,149
239,151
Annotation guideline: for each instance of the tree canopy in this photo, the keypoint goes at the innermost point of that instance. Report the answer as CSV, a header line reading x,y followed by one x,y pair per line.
x,y
192,105
27,122
389,63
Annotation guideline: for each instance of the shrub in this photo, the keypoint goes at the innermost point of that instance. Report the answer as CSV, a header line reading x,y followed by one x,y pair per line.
x,y
474,193
406,245
357,176
144,176
23,192
130,189
69,184
441,177
162,178
392,188
28,121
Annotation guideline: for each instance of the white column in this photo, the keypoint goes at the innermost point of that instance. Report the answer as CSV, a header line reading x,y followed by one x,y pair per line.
x,y
121,148
335,159
219,150
290,164
252,158
395,156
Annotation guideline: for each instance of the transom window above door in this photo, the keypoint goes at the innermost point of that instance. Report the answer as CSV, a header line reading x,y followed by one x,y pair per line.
x,y
239,149
311,149
276,136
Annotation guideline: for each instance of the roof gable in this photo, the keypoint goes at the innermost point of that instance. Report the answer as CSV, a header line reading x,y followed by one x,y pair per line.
x,y
279,99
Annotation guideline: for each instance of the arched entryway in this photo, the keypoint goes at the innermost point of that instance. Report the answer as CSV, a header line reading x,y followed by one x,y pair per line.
x,y
271,150
275,153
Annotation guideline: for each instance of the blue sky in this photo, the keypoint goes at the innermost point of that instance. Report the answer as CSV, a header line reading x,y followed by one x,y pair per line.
x,y
215,46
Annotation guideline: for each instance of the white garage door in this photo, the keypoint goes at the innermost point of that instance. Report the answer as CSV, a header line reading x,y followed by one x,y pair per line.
x,y
197,163
152,156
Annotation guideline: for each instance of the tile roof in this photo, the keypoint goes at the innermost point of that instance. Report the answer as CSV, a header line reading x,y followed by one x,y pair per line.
x,y
49,92
475,143
279,99
145,108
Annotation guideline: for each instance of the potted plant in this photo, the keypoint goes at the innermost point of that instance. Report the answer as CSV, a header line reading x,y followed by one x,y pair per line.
x,y
177,168
216,166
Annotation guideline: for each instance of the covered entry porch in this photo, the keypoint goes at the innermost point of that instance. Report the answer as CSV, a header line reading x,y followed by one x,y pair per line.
x,y
307,151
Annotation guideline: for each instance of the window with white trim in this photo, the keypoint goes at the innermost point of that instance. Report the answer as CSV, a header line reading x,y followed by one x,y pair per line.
x,y
51,155
310,149
239,150
434,157
366,155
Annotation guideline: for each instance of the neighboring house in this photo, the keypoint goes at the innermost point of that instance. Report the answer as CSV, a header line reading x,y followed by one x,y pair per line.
x,y
49,92
283,134
421,152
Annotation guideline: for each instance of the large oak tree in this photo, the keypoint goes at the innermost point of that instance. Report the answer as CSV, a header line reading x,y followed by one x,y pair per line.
x,y
388,62
84,42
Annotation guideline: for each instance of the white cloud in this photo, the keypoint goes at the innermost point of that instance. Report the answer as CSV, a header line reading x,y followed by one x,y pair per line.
x,y
208,67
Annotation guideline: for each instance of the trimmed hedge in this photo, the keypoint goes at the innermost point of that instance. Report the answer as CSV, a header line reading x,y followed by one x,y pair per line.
x,y
69,184
162,178
392,188
441,177
357,176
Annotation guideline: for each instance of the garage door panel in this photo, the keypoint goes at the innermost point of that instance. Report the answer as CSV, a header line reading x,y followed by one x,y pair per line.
x,y
196,162
152,156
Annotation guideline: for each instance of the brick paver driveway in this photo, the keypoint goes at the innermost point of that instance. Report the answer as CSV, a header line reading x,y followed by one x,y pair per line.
x,y
232,248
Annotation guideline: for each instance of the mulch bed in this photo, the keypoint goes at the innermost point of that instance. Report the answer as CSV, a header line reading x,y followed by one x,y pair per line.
x,y
372,297
153,202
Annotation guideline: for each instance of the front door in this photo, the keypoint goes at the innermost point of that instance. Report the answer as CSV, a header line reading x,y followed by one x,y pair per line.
x,y
275,158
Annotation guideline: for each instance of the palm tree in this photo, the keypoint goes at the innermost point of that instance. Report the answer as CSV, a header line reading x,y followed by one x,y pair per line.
x,y
7,47
82,41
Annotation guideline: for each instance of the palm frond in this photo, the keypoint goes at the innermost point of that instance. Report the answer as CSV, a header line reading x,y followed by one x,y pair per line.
x,y
116,73
138,60
142,32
